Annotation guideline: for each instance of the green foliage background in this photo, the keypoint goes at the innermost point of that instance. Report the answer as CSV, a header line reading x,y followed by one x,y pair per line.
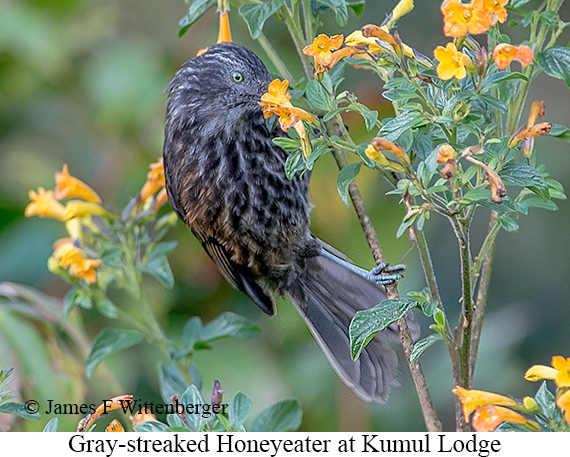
x,y
82,81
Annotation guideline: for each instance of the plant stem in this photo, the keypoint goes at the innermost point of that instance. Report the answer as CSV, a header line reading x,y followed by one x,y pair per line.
x,y
485,261
432,422
298,39
275,59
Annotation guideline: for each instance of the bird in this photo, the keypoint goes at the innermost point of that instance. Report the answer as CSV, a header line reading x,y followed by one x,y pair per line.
x,y
225,179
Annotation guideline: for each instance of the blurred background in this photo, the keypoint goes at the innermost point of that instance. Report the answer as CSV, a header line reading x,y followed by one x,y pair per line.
x,y
82,82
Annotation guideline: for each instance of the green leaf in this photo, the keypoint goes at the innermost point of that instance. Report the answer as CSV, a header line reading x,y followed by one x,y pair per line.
x,y
345,177
157,264
560,131
500,77
508,223
475,195
546,400
494,102
52,425
68,303
521,174
192,396
191,333
319,150
238,410
555,62
170,381
196,10
286,143
284,416
255,15
18,409
539,203
110,341
357,6
228,325
106,308
422,345
394,128
369,322
294,164
317,96
151,426
338,6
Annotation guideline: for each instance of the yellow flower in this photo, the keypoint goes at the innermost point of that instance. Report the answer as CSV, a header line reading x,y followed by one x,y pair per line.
x,y
115,426
78,208
472,399
461,18
357,38
497,10
445,152
154,180
505,53
44,204
66,253
540,372
277,101
563,366
373,151
452,63
322,51
161,199
403,7
74,259
85,269
488,418
498,189
563,402
68,186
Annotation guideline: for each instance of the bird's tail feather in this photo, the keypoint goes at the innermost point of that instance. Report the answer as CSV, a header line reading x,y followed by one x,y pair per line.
x,y
327,296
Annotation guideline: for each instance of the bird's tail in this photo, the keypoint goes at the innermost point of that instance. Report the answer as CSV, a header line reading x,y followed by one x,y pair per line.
x,y
328,295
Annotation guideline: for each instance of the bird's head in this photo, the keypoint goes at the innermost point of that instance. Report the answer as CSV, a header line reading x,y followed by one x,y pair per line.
x,y
224,84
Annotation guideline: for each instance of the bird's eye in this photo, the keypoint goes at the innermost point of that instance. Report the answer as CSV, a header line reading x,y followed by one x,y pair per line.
x,y
237,77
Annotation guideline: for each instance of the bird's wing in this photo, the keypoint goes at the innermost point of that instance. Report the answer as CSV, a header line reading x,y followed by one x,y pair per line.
x,y
237,275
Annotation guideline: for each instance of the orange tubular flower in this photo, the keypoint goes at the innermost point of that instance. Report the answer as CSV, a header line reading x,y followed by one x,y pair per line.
x,y
277,101
563,402
445,153
452,63
44,204
563,366
68,186
461,18
497,10
322,51
154,180
488,418
115,426
505,53
109,405
472,399
70,256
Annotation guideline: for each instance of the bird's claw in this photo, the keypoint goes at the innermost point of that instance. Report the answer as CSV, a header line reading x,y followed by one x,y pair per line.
x,y
385,274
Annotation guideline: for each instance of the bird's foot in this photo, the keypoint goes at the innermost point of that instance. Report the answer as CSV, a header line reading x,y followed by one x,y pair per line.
x,y
385,274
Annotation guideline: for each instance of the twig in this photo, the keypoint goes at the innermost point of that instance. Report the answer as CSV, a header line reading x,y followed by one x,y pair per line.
x,y
432,422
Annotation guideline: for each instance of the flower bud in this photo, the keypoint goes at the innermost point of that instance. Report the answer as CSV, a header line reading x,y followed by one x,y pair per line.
x,y
217,393
449,169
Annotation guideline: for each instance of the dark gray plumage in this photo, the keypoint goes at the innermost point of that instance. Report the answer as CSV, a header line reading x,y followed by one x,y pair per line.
x,y
225,179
